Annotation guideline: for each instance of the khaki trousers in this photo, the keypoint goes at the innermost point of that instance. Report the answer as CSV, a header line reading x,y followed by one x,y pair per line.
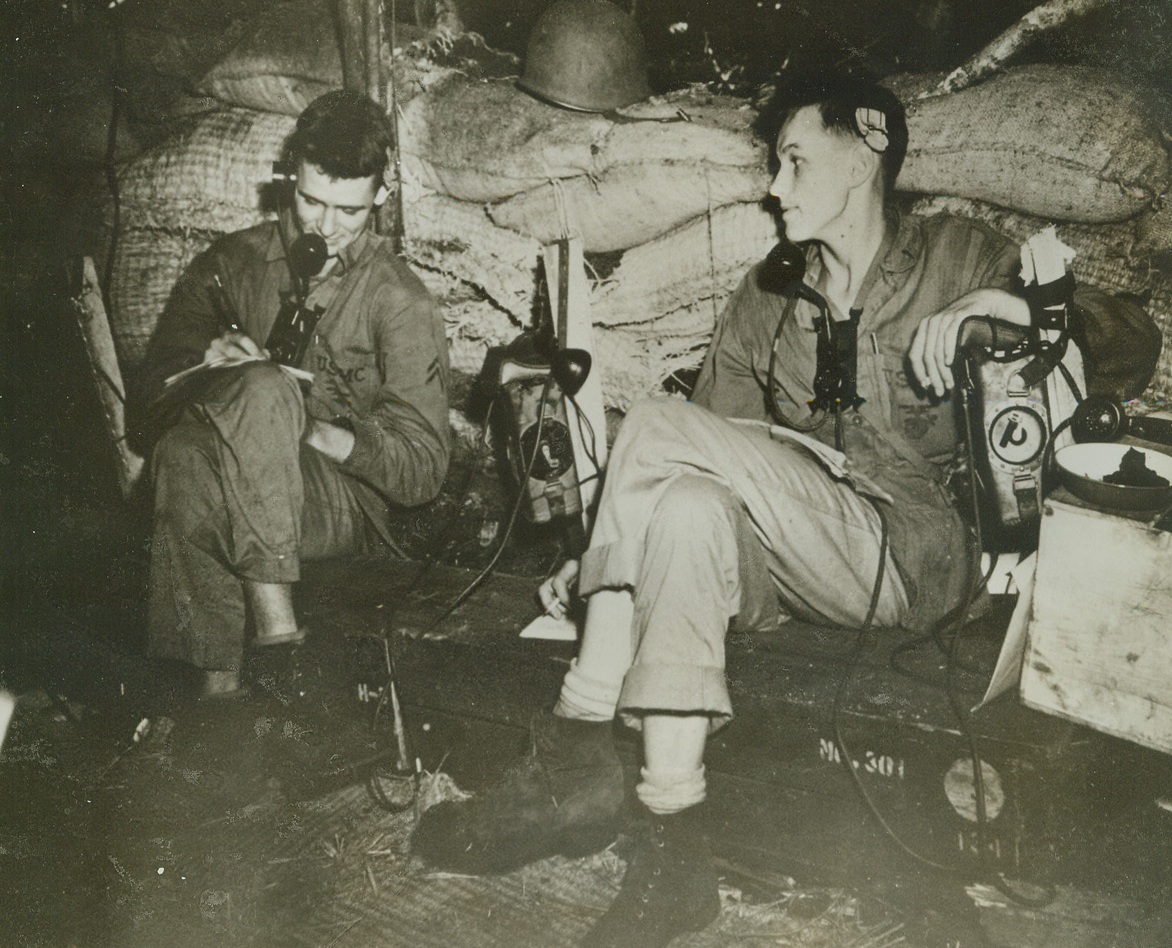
x,y
710,522
238,496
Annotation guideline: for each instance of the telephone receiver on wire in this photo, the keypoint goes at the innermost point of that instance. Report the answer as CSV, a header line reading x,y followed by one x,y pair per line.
x,y
1102,418
784,265
307,255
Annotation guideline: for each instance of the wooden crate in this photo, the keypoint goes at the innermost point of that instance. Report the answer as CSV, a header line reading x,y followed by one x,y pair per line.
x,y
1100,638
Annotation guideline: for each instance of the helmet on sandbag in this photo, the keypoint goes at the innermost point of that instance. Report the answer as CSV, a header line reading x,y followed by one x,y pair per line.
x,y
586,55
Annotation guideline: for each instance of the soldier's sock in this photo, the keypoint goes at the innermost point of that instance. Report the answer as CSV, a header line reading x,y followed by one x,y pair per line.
x,y
587,699
670,791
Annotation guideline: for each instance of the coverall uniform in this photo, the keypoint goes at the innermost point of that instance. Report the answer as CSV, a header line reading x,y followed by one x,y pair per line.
x,y
238,494
709,514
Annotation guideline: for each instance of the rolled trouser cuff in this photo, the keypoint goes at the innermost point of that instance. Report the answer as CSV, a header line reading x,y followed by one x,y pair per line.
x,y
614,565
675,689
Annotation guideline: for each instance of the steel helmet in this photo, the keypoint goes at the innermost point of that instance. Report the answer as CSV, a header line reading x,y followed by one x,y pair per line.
x,y
586,55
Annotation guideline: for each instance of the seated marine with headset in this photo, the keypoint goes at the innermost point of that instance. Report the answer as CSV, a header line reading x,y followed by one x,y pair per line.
x,y
258,466
805,478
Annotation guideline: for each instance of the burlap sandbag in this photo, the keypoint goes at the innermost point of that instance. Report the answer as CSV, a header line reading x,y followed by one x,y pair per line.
x,y
147,264
693,269
484,141
287,59
457,238
628,204
213,175
1061,142
290,55
1153,230
479,141
636,362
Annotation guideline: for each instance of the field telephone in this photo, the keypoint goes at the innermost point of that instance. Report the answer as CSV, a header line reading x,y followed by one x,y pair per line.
x,y
532,376
1019,389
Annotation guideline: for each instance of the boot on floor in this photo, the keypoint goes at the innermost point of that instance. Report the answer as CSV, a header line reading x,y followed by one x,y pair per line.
x,y
565,798
670,887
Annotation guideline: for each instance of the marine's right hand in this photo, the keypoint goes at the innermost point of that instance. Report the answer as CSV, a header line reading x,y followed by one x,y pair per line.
x,y
557,592
233,345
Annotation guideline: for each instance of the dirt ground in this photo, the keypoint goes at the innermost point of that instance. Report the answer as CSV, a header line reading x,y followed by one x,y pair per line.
x,y
241,824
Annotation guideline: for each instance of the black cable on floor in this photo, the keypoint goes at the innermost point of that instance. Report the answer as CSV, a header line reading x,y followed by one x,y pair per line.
x,y
986,870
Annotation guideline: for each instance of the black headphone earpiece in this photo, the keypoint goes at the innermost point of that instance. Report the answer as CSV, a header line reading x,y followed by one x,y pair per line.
x,y
1098,418
284,171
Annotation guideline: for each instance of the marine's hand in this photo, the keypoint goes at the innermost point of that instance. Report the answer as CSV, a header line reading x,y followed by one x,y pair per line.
x,y
334,441
934,344
557,592
233,345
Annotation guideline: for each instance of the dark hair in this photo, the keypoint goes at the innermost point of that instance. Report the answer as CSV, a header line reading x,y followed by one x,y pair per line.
x,y
345,134
838,96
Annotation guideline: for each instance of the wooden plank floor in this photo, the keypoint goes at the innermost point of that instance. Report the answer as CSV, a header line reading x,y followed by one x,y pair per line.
x,y
1067,807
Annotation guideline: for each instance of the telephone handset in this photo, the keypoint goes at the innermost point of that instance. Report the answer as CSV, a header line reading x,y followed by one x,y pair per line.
x,y
305,256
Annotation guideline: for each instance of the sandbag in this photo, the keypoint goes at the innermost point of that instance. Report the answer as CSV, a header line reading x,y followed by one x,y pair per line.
x,y
1153,230
290,55
458,239
479,141
1065,143
147,264
285,61
484,141
695,267
627,204
213,175
1104,252
636,362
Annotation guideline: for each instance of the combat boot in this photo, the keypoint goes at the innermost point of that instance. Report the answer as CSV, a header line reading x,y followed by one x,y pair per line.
x,y
565,797
670,887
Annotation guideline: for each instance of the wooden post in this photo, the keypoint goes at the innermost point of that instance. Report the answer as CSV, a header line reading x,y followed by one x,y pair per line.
x,y
372,22
99,346
350,22
575,331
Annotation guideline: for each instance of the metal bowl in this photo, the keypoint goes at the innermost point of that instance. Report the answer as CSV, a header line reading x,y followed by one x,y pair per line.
x,y
1083,467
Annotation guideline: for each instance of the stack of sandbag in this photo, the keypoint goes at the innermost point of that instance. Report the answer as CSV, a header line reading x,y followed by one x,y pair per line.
x,y
212,174
672,184
494,174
